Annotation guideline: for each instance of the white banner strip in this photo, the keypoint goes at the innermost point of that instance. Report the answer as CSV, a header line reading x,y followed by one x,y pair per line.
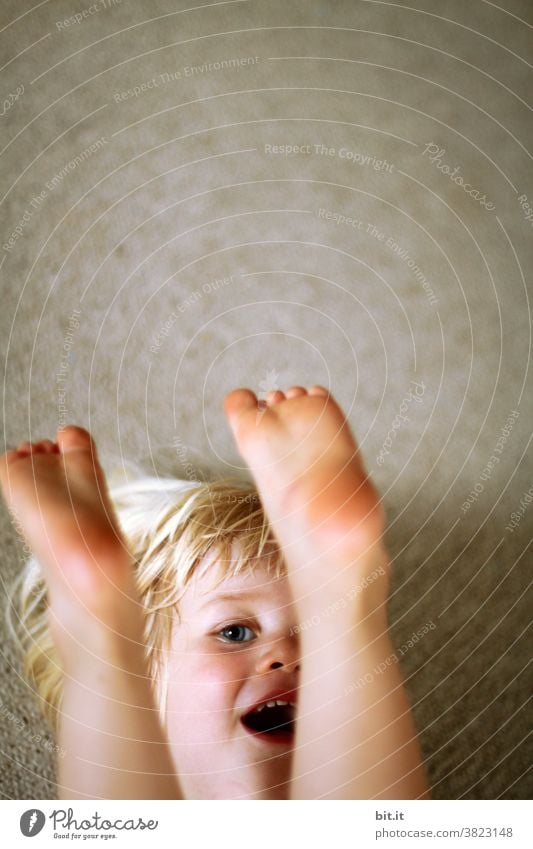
x,y
267,825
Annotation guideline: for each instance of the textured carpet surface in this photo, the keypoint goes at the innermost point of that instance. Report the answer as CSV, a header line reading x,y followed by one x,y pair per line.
x,y
199,197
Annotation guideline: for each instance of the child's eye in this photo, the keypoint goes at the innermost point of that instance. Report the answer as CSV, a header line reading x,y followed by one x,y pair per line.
x,y
235,633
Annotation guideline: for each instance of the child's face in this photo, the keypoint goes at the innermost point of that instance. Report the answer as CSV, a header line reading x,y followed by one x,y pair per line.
x,y
217,673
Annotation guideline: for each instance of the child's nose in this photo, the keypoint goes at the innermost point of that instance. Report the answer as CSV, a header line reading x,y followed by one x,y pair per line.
x,y
280,654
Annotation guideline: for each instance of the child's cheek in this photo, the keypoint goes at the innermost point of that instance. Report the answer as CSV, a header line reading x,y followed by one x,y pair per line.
x,y
219,666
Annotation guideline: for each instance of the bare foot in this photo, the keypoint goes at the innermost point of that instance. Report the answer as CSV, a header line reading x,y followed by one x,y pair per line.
x,y
57,494
322,506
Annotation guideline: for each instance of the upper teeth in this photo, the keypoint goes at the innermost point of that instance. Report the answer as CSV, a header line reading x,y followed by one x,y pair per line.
x,y
273,704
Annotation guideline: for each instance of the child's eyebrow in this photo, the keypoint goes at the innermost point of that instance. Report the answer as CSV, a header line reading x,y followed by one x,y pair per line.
x,y
228,596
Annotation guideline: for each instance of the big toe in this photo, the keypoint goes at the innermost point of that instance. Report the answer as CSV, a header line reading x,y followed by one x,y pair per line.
x,y
73,438
239,402
80,458
316,389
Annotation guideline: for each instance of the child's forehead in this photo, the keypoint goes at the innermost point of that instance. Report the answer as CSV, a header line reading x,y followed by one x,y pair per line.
x,y
256,579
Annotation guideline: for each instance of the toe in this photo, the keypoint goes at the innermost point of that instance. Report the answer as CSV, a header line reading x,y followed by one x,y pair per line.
x,y
24,447
296,391
275,396
238,402
79,457
73,438
6,459
37,448
318,390
49,447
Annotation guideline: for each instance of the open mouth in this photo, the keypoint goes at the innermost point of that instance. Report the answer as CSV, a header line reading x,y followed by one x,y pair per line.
x,y
273,720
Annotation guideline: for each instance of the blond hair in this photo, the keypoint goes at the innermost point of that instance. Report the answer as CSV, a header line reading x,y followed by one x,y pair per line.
x,y
169,525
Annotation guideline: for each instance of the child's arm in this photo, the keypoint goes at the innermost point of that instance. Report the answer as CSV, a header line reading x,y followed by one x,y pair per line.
x,y
356,738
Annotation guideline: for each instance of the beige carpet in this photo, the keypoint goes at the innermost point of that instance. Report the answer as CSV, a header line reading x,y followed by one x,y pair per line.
x,y
268,193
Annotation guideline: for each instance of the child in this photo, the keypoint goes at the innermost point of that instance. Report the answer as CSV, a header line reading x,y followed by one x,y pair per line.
x,y
193,650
